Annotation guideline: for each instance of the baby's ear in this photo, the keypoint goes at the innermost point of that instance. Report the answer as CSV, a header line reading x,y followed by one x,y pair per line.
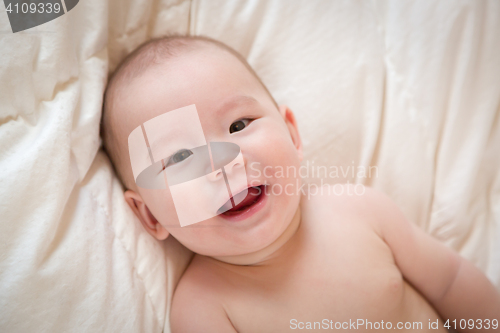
x,y
291,123
150,223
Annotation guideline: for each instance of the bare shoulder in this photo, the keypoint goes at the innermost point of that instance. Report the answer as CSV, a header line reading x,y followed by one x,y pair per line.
x,y
354,202
196,305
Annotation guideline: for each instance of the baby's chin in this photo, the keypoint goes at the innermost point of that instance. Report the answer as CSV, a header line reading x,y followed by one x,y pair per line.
x,y
237,243
211,242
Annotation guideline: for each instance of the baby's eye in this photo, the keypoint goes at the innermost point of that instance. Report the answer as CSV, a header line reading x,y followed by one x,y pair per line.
x,y
180,156
238,125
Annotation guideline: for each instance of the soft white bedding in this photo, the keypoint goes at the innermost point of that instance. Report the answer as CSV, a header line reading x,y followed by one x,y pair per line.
x,y
410,87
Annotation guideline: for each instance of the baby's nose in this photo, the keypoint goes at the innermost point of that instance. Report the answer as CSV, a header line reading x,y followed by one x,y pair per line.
x,y
234,165
226,159
229,169
215,176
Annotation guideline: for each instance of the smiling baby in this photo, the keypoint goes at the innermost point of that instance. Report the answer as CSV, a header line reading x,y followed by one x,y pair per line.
x,y
275,261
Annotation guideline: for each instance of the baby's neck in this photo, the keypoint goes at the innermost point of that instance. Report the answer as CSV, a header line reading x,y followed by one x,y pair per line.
x,y
269,252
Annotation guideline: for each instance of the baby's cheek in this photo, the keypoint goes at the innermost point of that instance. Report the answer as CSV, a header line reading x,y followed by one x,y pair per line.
x,y
284,157
161,205
275,143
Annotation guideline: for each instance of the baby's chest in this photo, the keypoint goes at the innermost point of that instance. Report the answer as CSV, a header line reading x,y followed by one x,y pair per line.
x,y
334,286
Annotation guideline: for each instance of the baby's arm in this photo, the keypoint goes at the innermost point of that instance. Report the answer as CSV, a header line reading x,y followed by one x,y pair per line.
x,y
455,288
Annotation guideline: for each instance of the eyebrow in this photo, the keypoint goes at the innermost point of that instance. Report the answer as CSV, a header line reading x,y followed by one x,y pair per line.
x,y
236,101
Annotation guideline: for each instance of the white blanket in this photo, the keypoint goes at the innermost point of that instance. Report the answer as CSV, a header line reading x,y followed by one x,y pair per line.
x,y
411,88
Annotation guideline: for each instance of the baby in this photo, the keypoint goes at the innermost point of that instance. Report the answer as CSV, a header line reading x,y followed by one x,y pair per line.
x,y
279,262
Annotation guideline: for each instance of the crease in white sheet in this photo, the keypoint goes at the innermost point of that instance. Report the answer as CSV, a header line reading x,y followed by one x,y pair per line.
x,y
412,88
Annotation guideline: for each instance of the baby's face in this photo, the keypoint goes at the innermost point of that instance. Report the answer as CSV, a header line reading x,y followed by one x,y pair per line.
x,y
232,107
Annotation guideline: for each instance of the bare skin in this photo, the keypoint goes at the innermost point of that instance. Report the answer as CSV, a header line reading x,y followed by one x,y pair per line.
x,y
334,257
335,266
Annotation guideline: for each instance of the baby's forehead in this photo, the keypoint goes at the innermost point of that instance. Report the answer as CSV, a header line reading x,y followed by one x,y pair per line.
x,y
187,67
192,79
147,59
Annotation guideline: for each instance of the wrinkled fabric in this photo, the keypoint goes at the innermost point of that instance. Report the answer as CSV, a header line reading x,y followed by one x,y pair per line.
x,y
410,89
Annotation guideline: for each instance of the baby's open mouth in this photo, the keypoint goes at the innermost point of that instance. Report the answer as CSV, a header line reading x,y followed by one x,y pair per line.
x,y
252,197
